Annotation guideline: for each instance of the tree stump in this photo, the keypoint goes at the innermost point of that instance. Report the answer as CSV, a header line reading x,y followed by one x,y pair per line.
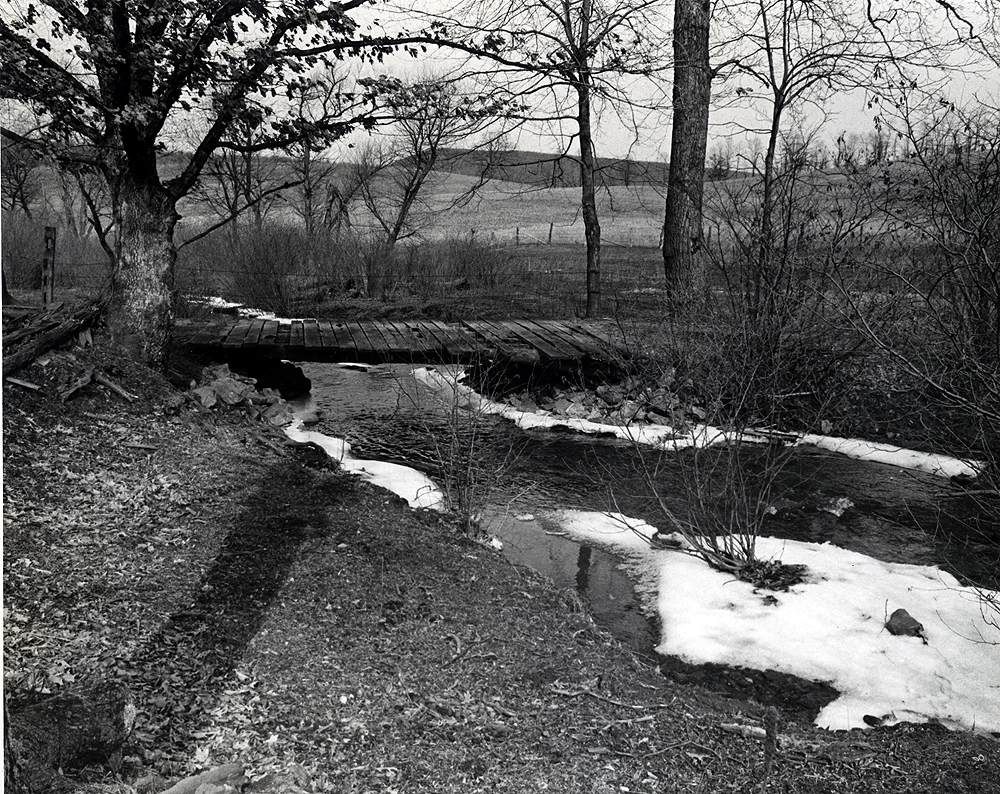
x,y
84,725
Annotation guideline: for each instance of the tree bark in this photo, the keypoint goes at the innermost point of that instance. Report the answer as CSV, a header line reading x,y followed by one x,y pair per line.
x,y
140,314
682,223
8,299
591,221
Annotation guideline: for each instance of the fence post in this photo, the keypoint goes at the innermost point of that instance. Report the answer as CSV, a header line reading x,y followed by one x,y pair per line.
x,y
550,232
49,267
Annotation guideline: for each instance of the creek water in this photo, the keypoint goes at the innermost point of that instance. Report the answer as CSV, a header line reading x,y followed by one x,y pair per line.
x,y
896,515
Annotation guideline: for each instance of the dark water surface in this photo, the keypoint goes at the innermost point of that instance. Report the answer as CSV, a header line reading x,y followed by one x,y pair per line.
x,y
897,515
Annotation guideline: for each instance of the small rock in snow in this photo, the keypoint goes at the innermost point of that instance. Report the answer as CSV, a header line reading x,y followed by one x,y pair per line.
x,y
902,623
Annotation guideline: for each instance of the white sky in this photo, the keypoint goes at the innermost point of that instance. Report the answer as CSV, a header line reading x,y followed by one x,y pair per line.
x,y
845,112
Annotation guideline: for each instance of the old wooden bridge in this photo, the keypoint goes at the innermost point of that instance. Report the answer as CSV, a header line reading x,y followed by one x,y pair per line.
x,y
539,343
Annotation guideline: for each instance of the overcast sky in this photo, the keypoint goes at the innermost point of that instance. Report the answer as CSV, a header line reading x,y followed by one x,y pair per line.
x,y
844,112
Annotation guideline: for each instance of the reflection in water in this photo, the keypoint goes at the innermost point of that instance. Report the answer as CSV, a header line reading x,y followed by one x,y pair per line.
x,y
898,516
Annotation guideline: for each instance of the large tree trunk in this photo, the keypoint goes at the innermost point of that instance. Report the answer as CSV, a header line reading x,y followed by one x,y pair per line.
x,y
682,223
140,314
86,724
591,222
588,166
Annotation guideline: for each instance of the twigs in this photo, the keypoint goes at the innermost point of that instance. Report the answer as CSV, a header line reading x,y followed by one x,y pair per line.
x,y
93,375
588,691
24,384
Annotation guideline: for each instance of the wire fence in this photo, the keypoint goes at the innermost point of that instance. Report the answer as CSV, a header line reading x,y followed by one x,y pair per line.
x,y
514,274
525,281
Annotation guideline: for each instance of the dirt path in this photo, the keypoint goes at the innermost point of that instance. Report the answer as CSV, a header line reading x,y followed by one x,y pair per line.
x,y
269,610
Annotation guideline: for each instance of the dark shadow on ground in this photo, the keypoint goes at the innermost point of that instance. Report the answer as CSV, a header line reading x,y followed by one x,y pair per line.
x,y
193,656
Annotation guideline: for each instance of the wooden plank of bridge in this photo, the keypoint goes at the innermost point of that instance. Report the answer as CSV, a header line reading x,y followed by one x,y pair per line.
x,y
596,342
549,345
362,340
588,344
298,334
269,334
254,333
313,338
207,335
458,342
496,338
559,330
514,338
237,334
339,338
427,341
284,337
397,337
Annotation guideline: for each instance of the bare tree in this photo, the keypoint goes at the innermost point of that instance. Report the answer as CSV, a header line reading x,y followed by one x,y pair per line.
x,y
562,59
121,77
427,116
319,99
20,183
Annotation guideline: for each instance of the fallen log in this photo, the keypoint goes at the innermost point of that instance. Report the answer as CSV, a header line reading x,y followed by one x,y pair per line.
x,y
87,724
225,779
45,332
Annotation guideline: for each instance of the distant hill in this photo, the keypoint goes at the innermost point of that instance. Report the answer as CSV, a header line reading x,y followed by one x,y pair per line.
x,y
541,169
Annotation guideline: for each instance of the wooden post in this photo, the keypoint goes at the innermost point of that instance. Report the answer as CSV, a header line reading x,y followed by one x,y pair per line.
x,y
49,267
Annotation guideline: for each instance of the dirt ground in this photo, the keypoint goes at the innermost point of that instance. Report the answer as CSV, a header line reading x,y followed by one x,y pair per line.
x,y
269,610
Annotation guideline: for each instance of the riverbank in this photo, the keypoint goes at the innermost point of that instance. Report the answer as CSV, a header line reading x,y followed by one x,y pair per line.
x,y
267,609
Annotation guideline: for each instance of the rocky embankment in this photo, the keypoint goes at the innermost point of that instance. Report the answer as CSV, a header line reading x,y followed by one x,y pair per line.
x,y
631,401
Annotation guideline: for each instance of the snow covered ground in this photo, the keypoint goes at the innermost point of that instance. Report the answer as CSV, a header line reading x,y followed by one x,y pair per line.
x,y
416,488
830,628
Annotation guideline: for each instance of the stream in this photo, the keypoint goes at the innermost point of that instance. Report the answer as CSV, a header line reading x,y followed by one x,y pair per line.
x,y
894,514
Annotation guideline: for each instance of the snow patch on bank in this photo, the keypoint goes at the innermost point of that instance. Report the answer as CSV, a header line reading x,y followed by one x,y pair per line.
x,y
941,465
413,486
697,436
830,628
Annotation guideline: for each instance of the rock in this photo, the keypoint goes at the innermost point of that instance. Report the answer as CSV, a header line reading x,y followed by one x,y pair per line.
x,y
561,406
264,397
523,402
630,412
173,404
836,507
902,623
151,784
278,415
294,781
311,416
206,396
231,391
272,373
657,418
216,371
610,395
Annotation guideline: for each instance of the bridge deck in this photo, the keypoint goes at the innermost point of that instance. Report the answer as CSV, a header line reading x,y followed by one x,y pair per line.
x,y
540,342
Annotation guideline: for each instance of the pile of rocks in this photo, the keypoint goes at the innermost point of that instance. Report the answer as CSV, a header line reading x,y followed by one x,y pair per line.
x,y
218,387
632,401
